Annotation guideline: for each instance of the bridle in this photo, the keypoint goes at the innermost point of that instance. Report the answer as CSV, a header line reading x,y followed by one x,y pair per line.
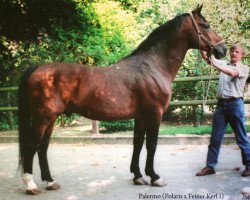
x,y
211,45
201,36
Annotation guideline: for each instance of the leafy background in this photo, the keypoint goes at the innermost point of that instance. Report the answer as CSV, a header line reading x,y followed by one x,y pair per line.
x,y
100,32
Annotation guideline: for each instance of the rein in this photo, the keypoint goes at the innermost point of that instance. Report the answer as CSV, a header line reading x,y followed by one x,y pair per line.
x,y
201,36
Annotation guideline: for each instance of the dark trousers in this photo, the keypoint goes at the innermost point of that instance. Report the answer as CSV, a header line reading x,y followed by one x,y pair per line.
x,y
232,112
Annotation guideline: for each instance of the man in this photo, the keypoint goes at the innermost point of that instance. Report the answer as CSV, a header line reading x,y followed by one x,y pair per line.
x,y
230,109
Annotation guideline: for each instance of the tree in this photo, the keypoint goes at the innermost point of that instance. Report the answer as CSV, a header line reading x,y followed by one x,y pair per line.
x,y
100,32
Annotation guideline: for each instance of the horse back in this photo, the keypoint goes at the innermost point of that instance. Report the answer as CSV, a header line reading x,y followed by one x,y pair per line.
x,y
93,92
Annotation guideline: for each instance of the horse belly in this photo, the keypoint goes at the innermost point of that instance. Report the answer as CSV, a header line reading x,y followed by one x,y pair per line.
x,y
103,107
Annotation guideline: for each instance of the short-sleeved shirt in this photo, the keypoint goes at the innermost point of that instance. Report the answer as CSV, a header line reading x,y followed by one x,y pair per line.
x,y
232,87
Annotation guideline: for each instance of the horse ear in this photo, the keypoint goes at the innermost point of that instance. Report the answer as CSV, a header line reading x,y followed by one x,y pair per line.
x,y
198,8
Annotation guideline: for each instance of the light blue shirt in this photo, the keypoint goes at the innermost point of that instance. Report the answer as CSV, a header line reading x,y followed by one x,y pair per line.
x,y
232,87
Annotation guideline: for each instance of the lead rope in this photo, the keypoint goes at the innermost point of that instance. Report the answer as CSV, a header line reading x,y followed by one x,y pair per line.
x,y
205,92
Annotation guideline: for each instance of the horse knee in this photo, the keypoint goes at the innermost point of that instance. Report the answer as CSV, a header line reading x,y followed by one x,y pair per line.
x,y
138,142
151,146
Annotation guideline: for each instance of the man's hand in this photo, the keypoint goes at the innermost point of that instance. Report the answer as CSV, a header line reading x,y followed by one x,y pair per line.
x,y
205,56
225,69
212,60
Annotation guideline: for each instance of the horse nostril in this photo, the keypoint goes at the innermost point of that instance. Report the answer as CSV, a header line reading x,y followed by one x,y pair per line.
x,y
219,51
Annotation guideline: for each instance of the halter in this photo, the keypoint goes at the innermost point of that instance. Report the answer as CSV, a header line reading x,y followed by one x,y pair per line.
x,y
201,35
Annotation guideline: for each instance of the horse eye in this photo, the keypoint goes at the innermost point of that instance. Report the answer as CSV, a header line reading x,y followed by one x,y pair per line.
x,y
205,25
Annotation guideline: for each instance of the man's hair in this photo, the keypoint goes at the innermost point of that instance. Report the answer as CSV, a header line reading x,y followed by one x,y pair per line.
x,y
237,45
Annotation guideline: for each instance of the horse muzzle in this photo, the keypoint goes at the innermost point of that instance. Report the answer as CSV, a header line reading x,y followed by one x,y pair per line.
x,y
219,51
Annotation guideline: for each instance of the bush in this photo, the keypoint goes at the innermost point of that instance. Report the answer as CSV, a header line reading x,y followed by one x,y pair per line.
x,y
6,123
67,119
114,126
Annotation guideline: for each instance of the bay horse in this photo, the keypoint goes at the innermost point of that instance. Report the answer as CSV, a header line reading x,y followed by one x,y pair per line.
x,y
138,86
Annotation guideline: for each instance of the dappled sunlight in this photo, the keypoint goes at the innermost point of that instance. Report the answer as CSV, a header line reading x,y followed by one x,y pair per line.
x,y
94,186
72,197
102,182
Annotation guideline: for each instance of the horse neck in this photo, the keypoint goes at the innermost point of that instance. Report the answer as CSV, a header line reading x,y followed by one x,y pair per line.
x,y
173,59
167,59
166,47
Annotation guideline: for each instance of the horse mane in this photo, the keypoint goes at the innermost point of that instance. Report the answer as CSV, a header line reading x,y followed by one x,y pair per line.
x,y
162,35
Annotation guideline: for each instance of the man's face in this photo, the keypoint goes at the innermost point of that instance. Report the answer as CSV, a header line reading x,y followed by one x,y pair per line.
x,y
236,54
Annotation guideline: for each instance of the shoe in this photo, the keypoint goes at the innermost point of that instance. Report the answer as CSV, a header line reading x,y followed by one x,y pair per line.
x,y
206,171
246,172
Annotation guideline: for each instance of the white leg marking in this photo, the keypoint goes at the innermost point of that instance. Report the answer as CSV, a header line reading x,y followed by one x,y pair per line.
x,y
28,180
50,183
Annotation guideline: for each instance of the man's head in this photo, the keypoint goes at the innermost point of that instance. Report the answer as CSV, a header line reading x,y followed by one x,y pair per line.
x,y
236,53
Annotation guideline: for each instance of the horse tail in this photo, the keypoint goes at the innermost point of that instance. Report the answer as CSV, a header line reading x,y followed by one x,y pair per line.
x,y
24,117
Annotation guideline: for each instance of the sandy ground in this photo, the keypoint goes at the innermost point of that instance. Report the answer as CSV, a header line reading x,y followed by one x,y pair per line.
x,y
101,172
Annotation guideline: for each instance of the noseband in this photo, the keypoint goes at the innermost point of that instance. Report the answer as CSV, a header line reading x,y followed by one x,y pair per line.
x,y
201,36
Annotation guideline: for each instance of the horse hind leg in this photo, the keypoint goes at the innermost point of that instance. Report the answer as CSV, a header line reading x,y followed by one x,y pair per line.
x,y
27,169
43,160
36,132
139,133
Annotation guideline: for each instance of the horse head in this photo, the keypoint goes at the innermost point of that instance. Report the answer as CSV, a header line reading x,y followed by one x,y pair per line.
x,y
204,37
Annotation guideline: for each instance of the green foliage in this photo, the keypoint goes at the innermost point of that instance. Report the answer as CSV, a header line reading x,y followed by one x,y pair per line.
x,y
100,32
4,124
5,121
67,119
116,126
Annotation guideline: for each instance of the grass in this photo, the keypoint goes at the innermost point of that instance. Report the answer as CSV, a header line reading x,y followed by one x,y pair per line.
x,y
164,130
201,130
175,130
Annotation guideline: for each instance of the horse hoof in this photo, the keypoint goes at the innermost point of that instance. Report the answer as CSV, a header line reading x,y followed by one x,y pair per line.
x,y
159,183
140,181
35,191
53,186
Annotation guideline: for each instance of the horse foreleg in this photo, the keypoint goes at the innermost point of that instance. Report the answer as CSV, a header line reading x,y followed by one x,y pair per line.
x,y
43,160
152,130
139,133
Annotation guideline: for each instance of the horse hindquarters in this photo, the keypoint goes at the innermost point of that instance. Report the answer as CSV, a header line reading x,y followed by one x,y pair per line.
x,y
31,135
27,147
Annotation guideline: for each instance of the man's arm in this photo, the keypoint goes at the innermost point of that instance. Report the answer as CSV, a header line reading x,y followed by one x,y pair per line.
x,y
214,62
230,72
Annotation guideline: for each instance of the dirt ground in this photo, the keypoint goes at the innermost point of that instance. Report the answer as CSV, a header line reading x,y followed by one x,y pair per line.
x,y
101,172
